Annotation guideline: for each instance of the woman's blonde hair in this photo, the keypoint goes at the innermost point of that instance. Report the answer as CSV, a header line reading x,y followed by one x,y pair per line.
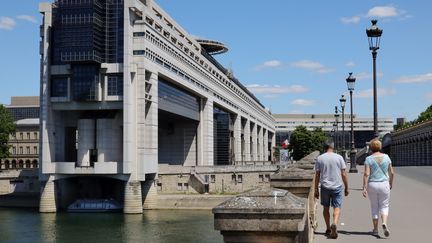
x,y
375,145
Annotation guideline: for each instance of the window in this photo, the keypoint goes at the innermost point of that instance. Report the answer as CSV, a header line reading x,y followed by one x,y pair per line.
x,y
14,150
179,186
139,52
186,186
35,150
239,178
35,135
115,85
28,136
233,178
260,178
28,150
138,34
159,186
21,136
20,150
59,87
213,178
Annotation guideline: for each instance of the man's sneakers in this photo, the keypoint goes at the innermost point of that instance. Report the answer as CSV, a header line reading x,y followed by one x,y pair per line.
x,y
333,233
386,230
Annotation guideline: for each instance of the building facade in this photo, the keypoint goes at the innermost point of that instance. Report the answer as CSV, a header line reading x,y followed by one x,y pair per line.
x,y
363,127
24,107
125,88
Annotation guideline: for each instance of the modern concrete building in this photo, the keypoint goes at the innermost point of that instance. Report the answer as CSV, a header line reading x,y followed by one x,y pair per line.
x,y
125,88
363,127
24,107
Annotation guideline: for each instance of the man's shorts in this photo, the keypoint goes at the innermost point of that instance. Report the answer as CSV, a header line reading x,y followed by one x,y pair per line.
x,y
333,197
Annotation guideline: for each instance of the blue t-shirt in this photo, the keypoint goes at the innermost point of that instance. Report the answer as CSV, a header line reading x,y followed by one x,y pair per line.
x,y
378,171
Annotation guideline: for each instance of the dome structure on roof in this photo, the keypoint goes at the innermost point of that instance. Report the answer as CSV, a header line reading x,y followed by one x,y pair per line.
x,y
212,47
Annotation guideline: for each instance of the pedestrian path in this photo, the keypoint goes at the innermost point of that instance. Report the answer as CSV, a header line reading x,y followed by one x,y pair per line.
x,y
410,213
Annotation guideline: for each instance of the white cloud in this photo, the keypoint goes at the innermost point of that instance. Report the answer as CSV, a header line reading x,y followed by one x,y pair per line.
x,y
365,75
303,102
311,66
350,64
268,64
276,89
384,12
27,18
351,20
296,112
7,23
420,78
368,93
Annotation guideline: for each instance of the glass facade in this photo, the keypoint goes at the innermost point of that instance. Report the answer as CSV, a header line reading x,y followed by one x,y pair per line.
x,y
86,33
222,137
19,113
59,87
115,85
177,101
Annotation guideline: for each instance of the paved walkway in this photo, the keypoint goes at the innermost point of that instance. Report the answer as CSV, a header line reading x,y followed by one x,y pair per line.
x,y
410,214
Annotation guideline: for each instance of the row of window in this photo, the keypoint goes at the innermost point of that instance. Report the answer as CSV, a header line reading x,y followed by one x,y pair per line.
x,y
28,136
21,150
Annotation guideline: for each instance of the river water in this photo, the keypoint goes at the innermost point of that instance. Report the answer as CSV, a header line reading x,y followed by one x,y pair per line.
x,y
152,226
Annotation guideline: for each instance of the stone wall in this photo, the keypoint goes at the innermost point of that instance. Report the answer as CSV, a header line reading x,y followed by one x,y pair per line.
x,y
212,179
412,146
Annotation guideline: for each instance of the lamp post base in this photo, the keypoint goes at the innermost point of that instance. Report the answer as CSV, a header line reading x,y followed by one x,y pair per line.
x,y
353,165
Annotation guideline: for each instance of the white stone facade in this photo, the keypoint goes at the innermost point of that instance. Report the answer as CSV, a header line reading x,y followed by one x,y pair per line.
x,y
127,145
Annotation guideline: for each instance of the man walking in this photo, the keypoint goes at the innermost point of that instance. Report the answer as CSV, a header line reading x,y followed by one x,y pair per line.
x,y
330,173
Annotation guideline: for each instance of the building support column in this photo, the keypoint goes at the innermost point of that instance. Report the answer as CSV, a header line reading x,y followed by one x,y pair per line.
x,y
266,152
260,145
237,139
47,203
206,150
133,197
254,142
246,137
273,144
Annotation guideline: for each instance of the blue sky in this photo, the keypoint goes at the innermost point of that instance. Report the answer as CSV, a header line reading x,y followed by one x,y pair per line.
x,y
294,55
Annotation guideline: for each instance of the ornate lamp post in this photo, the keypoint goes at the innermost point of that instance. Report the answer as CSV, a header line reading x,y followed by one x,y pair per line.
x,y
374,37
336,115
342,101
351,83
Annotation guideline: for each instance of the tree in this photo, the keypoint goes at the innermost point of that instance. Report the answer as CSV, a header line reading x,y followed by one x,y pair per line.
x,y
318,139
7,128
300,142
425,115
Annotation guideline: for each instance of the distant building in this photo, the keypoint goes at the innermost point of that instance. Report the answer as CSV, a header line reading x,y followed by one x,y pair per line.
x,y
24,146
363,127
24,107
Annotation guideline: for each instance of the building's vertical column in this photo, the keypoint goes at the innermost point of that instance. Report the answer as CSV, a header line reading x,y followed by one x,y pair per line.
x,y
260,144
254,142
273,144
237,139
47,203
205,143
246,137
151,125
133,197
266,148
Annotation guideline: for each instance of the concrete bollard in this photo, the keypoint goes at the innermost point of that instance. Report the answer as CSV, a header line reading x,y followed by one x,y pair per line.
x,y
263,215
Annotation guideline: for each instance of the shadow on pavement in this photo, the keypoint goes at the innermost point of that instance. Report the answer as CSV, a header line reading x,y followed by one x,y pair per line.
x,y
344,232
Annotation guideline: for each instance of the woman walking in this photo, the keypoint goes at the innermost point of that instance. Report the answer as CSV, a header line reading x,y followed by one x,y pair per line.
x,y
377,183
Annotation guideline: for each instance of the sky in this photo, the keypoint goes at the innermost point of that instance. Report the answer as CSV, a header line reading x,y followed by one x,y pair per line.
x,y
293,55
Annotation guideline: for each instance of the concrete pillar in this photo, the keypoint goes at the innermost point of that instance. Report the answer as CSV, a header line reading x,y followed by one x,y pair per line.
x,y
86,140
266,148
47,203
273,144
133,198
237,138
206,150
149,194
150,158
260,143
254,146
246,137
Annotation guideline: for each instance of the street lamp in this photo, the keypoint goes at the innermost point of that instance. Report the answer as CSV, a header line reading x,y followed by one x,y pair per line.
x,y
374,38
336,115
351,83
342,101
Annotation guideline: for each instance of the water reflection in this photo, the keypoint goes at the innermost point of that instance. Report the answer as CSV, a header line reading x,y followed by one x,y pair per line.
x,y
152,226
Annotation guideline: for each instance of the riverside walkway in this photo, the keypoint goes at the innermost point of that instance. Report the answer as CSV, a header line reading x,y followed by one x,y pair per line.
x,y
410,213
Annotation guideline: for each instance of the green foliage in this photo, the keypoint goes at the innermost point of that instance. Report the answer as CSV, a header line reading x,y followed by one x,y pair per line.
x,y
424,116
318,139
7,128
304,142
